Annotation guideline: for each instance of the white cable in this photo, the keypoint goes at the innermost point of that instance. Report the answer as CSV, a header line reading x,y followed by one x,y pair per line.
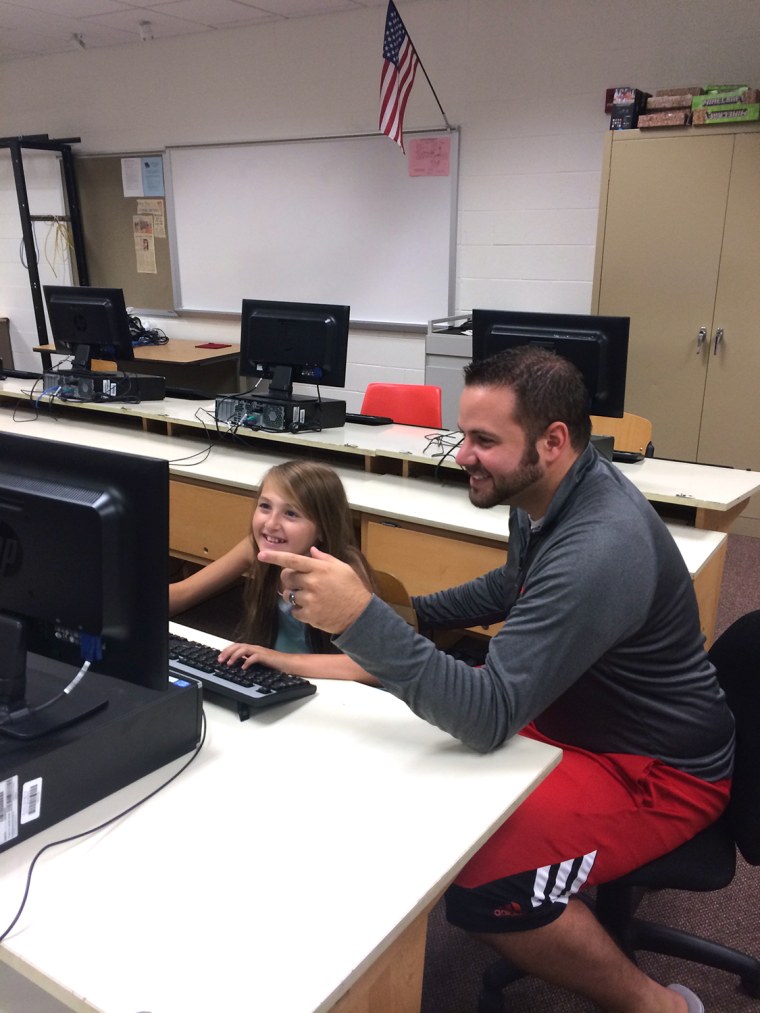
x,y
78,677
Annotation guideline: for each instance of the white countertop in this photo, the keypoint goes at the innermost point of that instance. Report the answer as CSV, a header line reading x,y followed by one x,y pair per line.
x,y
275,870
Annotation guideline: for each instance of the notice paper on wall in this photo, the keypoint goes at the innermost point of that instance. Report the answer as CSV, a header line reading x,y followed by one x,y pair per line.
x,y
145,244
155,208
143,176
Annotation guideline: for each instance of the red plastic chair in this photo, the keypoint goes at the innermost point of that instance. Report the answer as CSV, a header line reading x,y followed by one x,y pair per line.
x,y
413,404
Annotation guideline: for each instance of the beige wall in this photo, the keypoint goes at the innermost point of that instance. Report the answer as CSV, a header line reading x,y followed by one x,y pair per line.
x,y
524,79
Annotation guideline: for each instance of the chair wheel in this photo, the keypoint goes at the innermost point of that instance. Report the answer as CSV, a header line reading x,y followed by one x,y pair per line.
x,y
750,984
490,1002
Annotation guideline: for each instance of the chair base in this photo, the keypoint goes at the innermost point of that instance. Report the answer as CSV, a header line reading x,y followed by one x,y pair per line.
x,y
496,977
670,942
636,934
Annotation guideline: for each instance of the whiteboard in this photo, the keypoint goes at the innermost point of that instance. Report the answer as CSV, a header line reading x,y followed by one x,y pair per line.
x,y
336,220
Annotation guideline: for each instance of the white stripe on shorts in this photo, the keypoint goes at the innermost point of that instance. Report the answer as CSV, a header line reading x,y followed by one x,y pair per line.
x,y
564,886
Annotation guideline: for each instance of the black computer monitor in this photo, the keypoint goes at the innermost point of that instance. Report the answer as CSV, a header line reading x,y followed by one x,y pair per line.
x,y
294,341
598,346
89,323
83,574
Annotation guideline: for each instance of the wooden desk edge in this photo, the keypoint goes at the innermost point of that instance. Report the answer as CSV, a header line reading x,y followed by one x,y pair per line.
x,y
175,351
39,980
393,978
719,520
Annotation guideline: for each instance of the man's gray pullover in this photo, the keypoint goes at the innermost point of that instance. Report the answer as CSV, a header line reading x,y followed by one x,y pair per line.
x,y
602,645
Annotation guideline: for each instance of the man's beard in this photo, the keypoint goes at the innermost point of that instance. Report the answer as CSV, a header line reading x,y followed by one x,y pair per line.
x,y
507,488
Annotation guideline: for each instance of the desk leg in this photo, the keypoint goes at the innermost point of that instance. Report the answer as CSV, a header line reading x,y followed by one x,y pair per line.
x,y
719,520
707,585
394,982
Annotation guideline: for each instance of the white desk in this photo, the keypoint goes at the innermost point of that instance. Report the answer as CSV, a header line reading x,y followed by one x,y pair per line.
x,y
422,500
714,495
282,865
421,529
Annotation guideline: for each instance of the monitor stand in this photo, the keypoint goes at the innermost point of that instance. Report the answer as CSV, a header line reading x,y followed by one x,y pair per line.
x,y
41,687
281,384
32,701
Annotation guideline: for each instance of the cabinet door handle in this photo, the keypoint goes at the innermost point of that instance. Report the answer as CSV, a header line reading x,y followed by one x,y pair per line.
x,y
718,339
701,337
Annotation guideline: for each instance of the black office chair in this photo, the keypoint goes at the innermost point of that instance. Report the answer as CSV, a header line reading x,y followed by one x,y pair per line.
x,y
705,863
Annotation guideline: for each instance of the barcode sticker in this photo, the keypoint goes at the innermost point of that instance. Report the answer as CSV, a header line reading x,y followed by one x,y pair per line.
x,y
8,809
31,800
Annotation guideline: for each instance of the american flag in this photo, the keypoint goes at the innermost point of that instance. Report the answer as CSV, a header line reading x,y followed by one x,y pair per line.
x,y
399,67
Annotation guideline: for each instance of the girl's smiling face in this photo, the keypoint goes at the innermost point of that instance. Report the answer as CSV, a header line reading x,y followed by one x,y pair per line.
x,y
281,524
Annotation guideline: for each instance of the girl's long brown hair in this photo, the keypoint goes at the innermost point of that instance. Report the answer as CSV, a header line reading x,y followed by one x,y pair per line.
x,y
318,493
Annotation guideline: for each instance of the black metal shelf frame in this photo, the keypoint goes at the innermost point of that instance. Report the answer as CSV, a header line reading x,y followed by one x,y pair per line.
x,y
41,142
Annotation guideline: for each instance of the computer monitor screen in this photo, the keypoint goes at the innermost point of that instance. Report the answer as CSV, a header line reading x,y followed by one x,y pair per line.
x,y
597,345
290,341
89,323
83,575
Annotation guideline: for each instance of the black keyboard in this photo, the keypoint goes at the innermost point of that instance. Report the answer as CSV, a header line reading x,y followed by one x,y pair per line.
x,y
369,420
189,394
18,374
253,687
627,456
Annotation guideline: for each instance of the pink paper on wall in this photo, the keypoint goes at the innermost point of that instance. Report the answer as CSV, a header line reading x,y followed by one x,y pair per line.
x,y
429,156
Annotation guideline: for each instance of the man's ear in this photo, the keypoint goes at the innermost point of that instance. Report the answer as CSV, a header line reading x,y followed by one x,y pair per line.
x,y
555,439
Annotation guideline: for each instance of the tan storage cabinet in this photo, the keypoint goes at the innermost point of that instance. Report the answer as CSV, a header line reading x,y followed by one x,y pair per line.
x,y
678,251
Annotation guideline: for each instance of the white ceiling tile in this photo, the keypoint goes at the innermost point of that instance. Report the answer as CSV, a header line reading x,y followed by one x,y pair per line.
x,y
39,27
210,13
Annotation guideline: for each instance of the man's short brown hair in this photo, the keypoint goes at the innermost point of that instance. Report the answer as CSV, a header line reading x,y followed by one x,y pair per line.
x,y
547,387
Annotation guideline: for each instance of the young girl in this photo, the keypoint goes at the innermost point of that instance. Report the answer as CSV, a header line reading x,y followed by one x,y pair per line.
x,y
301,503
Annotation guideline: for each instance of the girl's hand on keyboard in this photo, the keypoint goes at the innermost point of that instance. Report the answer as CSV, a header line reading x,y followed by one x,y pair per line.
x,y
252,654
308,666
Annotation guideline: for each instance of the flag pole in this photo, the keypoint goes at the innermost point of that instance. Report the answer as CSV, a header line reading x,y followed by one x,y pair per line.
x,y
422,68
435,96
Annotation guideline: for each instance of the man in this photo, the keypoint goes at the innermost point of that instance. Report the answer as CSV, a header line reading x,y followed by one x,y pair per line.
x,y
601,653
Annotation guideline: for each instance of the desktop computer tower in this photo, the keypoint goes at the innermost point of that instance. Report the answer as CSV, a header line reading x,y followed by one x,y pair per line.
x,y
96,386
292,414
45,780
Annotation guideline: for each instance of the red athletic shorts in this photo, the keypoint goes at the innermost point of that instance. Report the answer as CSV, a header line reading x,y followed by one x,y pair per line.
x,y
594,818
